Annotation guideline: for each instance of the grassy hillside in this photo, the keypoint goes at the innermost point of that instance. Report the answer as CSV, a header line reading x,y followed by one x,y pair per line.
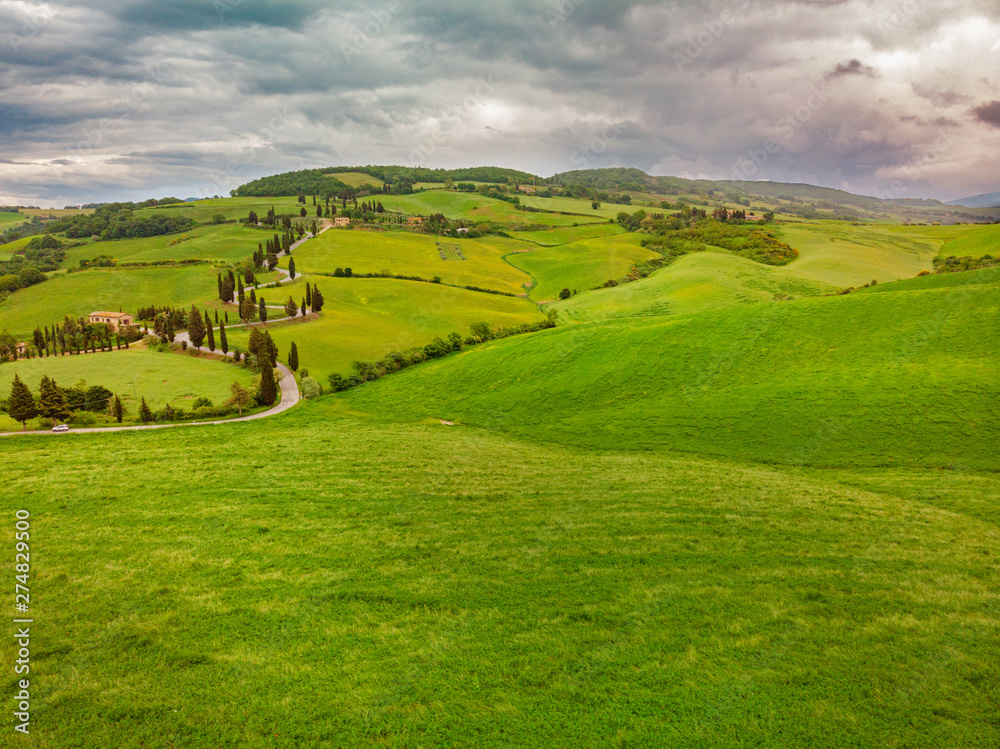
x,y
974,242
580,265
470,206
368,318
105,289
226,242
843,255
576,206
567,234
411,254
693,283
134,374
896,378
314,580
232,208
357,179
9,219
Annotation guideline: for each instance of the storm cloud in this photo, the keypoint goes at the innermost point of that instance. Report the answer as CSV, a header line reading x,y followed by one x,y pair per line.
x,y
129,99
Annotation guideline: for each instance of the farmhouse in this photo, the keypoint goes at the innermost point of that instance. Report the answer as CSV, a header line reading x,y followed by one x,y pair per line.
x,y
415,220
463,230
22,348
115,319
341,221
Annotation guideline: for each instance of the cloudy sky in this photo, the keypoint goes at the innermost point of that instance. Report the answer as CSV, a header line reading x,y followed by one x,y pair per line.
x,y
128,99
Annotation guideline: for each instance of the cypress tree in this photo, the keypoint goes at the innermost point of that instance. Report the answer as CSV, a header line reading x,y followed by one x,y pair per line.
x,y
291,268
220,288
210,329
240,292
268,387
317,299
216,317
227,316
291,309
118,411
169,328
196,327
145,415
263,311
303,306
309,301
293,357
223,343
21,405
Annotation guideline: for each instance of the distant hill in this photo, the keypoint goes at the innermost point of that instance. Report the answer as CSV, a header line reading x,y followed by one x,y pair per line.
x,y
987,200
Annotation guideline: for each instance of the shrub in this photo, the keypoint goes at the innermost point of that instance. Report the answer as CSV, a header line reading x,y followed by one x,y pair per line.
x,y
310,388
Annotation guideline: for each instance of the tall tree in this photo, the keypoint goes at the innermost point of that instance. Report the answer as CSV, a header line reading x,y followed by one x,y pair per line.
x,y
145,414
303,306
196,327
291,308
21,404
293,357
169,328
268,387
223,343
210,329
117,410
317,299
262,312
309,301
291,268
52,401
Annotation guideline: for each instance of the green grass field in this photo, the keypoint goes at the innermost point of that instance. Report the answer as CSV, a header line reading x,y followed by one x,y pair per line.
x,y
567,234
837,253
693,283
134,374
357,179
973,242
226,242
79,294
576,206
691,515
412,254
470,206
368,318
9,219
203,211
580,265
369,584
900,378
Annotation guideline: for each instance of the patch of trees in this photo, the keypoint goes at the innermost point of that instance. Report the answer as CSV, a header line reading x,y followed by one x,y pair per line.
x,y
117,221
366,371
29,228
953,264
59,404
27,267
73,336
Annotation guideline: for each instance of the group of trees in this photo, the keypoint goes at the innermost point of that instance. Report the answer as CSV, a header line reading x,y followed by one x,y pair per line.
x,y
365,371
28,266
59,404
72,336
117,221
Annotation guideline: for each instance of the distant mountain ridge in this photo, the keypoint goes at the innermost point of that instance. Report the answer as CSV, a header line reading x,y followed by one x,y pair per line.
x,y
986,200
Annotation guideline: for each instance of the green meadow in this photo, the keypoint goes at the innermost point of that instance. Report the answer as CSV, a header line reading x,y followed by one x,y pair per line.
x,y
367,318
137,373
353,582
721,506
79,294
471,207
581,208
580,266
901,378
357,179
9,219
693,283
409,254
226,242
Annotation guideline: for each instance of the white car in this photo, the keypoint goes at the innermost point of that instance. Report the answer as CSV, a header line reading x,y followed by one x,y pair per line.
x,y
61,428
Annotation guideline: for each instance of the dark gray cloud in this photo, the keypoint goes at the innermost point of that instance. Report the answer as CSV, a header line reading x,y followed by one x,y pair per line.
x,y
852,67
988,113
130,98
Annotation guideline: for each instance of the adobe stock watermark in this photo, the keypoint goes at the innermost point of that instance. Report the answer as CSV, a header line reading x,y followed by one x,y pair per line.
x,y
455,117
710,32
378,21
754,159
219,182
122,111
894,15
39,16
914,171
561,12
585,156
